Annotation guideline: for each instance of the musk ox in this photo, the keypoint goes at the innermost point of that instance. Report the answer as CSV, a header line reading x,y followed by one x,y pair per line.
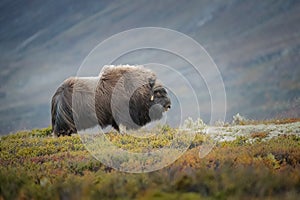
x,y
125,95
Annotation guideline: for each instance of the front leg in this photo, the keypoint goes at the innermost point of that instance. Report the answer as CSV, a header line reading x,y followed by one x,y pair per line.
x,y
115,125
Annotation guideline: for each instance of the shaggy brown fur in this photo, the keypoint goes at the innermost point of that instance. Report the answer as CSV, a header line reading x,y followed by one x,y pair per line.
x,y
127,95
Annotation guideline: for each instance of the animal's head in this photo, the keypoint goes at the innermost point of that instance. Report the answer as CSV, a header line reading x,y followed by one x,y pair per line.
x,y
159,100
149,102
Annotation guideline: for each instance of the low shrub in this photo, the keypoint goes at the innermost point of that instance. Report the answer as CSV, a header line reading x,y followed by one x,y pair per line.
x,y
34,165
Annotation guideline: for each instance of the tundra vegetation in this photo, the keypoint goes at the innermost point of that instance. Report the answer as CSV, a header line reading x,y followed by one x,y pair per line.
x,y
256,165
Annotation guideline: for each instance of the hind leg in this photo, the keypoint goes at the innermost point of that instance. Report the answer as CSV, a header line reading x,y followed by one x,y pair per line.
x,y
63,131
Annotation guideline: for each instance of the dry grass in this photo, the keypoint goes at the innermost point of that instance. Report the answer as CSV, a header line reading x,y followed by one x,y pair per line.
x,y
259,135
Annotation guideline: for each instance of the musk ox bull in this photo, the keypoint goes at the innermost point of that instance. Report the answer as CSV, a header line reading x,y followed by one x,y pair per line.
x,y
121,95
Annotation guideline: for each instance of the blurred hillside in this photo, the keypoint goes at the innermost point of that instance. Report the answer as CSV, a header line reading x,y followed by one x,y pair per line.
x,y
256,45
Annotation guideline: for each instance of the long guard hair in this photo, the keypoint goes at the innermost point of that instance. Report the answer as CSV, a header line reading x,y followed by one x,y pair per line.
x,y
84,102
